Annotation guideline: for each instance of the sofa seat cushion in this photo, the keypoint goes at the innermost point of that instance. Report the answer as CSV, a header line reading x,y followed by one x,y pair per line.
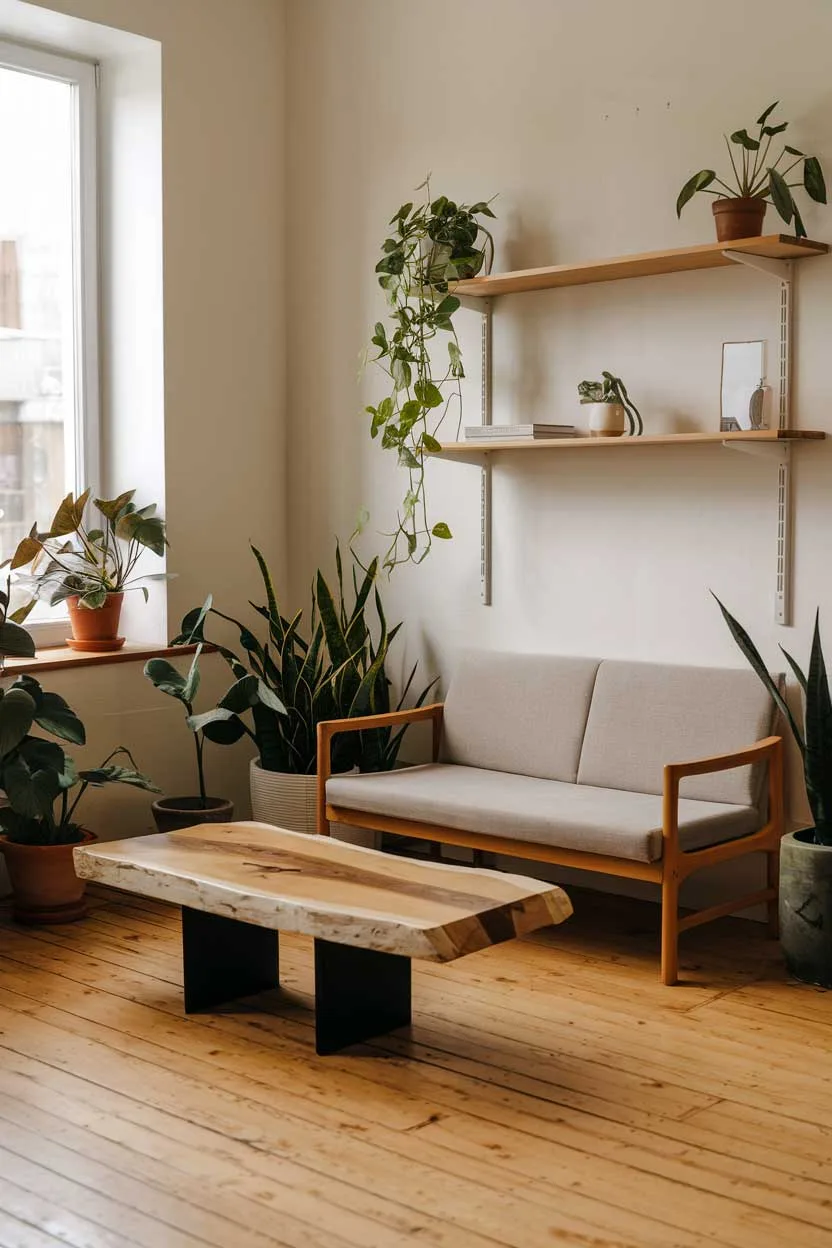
x,y
547,812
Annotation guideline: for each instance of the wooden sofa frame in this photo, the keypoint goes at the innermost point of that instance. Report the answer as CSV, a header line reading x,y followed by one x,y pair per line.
x,y
674,866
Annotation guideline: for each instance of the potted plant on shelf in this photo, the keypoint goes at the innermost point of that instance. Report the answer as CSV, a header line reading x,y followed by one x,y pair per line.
x,y
90,567
740,204
805,855
171,813
610,410
38,824
431,244
289,683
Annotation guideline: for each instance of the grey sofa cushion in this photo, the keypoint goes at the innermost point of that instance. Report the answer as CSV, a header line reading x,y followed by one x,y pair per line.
x,y
521,713
547,812
644,715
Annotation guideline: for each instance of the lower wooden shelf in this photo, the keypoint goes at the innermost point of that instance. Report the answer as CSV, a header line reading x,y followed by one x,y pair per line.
x,y
477,452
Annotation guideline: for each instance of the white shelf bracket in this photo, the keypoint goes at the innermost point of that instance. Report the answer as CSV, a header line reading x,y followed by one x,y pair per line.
x,y
485,309
781,453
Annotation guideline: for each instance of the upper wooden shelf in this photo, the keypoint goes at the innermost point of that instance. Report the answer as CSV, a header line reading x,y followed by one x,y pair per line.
x,y
473,452
643,264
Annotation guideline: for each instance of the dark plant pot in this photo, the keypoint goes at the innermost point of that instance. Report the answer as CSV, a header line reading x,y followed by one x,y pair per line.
x,y
172,813
738,218
46,888
95,630
806,908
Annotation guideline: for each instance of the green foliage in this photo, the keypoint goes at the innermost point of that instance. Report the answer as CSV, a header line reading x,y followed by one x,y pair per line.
x,y
92,562
815,739
431,244
612,390
289,682
755,178
168,680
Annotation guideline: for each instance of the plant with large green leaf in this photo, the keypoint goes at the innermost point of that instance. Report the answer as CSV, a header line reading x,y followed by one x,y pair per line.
x,y
288,683
756,175
431,244
814,738
611,389
75,558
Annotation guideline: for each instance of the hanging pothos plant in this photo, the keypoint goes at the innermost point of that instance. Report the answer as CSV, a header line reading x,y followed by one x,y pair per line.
x,y
431,244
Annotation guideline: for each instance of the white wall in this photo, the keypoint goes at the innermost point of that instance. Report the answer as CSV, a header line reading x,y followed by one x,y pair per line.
x,y
222,196
586,119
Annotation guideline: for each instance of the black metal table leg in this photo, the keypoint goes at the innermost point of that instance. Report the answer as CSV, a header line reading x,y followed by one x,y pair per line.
x,y
224,959
359,993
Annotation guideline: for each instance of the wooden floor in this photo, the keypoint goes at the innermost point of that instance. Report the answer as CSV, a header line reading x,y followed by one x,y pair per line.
x,y
551,1093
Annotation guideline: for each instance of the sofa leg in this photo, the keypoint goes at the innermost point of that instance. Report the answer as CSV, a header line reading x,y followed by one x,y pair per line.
x,y
773,881
670,931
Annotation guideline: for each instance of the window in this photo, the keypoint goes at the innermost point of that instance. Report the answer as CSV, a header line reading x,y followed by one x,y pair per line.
x,y
48,294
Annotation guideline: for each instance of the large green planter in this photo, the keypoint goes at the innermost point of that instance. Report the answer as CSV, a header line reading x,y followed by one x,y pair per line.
x,y
806,908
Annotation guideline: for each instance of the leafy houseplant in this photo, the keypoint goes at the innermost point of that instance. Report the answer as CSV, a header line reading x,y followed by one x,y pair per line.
x,y
181,812
431,244
288,683
741,203
90,566
805,856
38,822
610,393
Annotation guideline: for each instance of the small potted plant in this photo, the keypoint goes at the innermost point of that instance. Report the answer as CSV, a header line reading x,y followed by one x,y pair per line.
x,y
610,410
805,855
38,823
288,683
741,202
171,813
90,566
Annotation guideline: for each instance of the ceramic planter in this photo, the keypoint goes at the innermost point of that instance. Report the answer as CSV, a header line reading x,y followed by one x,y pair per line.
x,y
290,801
738,218
95,629
45,886
605,420
806,908
171,813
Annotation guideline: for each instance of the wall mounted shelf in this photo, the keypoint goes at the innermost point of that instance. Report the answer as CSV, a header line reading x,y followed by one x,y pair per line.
x,y
773,255
643,264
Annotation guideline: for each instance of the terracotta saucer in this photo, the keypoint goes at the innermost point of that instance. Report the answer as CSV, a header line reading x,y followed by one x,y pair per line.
x,y
96,647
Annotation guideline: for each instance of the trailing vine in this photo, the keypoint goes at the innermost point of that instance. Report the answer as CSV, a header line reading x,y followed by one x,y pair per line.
x,y
431,244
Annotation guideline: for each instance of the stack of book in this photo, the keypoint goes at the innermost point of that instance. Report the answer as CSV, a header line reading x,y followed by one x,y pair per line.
x,y
529,433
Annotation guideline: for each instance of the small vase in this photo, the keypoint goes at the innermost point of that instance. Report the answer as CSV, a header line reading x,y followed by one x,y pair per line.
x,y
95,629
738,218
606,420
45,887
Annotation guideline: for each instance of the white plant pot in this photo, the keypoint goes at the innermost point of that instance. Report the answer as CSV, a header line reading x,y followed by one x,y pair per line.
x,y
604,420
290,801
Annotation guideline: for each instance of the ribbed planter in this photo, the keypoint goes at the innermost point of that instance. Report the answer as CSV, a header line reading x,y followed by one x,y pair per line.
x,y
290,801
806,908
45,887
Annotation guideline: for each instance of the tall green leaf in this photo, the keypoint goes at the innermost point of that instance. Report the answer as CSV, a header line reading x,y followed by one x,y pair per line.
x,y
699,182
818,755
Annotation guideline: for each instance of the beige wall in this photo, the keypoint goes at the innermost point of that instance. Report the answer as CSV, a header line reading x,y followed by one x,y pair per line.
x,y
585,118
223,204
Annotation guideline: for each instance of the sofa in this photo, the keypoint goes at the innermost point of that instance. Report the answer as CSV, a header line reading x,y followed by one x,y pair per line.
x,y
642,770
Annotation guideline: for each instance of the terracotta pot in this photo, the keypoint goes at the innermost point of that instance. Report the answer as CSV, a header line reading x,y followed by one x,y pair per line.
x,y
806,908
172,813
46,888
95,629
738,218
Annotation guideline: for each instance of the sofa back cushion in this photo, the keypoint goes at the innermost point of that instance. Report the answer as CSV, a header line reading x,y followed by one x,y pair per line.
x,y
523,713
644,715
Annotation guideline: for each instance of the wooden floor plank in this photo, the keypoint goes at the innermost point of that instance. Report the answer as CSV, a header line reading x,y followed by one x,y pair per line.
x,y
550,1091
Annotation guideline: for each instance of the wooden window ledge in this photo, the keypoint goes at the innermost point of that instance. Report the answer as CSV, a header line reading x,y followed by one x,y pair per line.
x,y
57,658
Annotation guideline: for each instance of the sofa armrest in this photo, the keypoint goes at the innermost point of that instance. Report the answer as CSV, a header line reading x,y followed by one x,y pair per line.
x,y
330,728
769,750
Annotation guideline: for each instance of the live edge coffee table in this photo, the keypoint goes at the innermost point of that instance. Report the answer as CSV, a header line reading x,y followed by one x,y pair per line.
x,y
239,884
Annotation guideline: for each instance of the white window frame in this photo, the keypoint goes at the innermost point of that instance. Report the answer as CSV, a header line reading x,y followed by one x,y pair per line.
x,y
82,76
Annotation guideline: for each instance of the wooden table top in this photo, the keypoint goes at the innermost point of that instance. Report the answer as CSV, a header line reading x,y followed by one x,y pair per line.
x,y
325,888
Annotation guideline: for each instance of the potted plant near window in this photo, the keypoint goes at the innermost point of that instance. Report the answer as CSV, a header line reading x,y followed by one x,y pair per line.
x,y
741,202
171,813
805,855
90,567
610,410
288,683
38,822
